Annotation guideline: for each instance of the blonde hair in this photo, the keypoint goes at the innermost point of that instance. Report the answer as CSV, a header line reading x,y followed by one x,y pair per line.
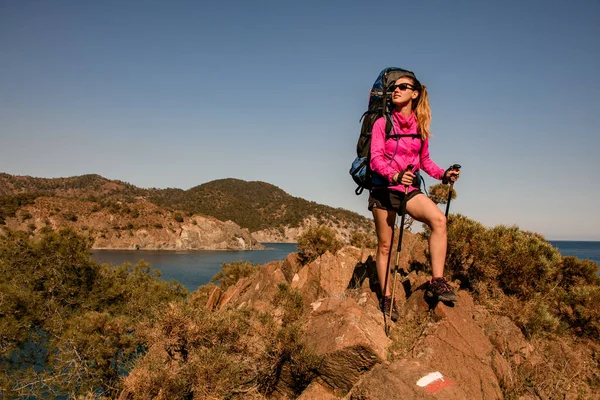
x,y
422,110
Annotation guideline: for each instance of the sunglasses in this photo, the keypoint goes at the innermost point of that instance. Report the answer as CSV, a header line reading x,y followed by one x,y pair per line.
x,y
401,86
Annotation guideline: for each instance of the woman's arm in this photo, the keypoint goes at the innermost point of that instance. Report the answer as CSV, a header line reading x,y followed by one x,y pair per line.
x,y
427,163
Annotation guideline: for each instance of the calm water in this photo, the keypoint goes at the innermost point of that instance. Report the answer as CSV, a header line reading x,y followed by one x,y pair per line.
x,y
196,268
193,268
582,250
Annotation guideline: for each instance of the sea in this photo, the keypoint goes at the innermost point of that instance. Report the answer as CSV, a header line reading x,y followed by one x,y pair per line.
x,y
196,268
581,249
193,268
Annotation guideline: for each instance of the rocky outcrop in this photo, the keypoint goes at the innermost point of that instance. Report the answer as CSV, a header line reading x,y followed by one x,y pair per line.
x,y
139,225
398,380
458,353
290,234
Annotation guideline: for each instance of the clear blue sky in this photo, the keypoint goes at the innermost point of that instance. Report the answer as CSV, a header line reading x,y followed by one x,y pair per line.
x,y
178,93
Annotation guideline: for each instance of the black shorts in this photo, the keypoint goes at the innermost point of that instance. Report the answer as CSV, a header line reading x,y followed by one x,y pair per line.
x,y
387,199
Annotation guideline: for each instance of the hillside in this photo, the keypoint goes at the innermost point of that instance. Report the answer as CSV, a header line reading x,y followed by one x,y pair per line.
x,y
269,213
257,206
140,225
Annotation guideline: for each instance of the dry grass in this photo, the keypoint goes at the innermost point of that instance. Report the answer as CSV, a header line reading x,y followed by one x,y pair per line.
x,y
560,368
406,334
234,354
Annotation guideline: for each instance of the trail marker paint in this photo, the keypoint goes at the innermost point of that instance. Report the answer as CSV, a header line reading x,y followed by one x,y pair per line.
x,y
434,382
427,379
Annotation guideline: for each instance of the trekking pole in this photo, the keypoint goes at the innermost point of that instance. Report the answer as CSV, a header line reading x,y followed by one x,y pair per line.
x,y
399,248
385,286
455,167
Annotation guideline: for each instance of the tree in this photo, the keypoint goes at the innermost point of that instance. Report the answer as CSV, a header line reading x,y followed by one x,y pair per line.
x,y
315,241
78,319
439,193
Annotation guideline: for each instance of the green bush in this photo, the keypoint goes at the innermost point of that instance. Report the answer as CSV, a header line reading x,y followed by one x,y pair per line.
x,y
10,204
519,274
290,300
439,193
228,354
315,241
519,262
234,271
578,296
363,240
78,319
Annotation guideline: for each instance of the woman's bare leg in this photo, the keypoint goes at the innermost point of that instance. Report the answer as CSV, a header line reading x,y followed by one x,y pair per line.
x,y
384,226
424,210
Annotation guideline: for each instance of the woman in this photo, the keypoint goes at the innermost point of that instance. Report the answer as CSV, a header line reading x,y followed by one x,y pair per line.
x,y
390,158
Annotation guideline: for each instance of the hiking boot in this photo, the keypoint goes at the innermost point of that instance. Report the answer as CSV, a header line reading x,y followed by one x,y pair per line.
x,y
439,289
385,304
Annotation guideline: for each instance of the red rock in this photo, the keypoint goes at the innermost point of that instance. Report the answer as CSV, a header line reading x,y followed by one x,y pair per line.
x,y
398,380
350,338
316,391
458,346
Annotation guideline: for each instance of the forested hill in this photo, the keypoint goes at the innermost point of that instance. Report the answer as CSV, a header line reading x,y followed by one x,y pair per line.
x,y
253,205
83,186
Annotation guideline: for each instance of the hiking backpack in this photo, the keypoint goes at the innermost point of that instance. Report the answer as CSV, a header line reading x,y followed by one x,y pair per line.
x,y
380,104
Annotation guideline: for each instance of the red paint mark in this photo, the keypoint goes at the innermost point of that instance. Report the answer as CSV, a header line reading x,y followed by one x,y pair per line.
x,y
438,385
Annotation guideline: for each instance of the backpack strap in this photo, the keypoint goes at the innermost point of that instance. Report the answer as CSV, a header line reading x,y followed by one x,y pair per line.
x,y
399,135
389,125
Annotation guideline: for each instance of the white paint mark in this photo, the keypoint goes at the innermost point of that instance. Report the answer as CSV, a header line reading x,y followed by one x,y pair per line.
x,y
316,305
429,378
296,278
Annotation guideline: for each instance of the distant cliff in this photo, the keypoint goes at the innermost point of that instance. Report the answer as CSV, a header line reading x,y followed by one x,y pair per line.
x,y
138,225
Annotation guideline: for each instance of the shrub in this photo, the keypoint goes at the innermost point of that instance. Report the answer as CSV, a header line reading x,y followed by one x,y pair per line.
x,y
70,216
290,300
232,272
315,241
229,354
519,274
519,262
78,319
178,217
439,193
564,368
363,240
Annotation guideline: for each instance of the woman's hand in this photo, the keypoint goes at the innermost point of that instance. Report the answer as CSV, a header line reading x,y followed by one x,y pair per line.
x,y
450,176
405,178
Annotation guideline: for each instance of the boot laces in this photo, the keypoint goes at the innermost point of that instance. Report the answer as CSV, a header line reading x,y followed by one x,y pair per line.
x,y
440,285
387,303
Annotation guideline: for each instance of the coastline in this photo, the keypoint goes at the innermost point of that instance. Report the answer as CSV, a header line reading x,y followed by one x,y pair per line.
x,y
190,250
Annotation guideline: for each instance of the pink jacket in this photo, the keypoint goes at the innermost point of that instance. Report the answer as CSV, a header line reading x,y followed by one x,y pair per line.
x,y
393,155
